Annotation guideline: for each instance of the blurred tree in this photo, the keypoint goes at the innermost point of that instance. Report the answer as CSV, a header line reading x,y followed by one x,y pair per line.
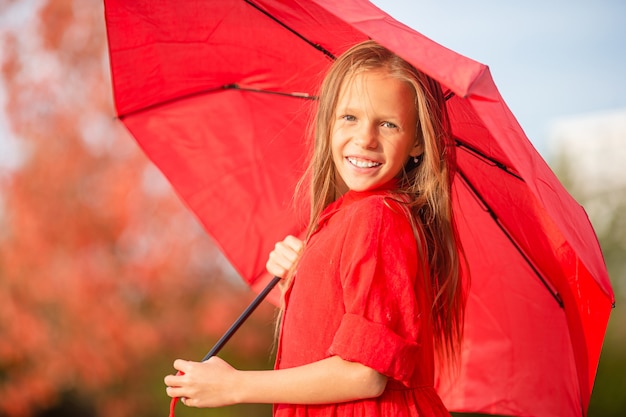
x,y
105,277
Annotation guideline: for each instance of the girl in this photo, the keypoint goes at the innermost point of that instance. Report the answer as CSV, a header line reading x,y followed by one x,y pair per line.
x,y
376,289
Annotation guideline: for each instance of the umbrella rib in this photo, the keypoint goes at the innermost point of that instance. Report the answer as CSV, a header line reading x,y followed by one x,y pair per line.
x,y
479,154
495,218
213,90
314,45
278,93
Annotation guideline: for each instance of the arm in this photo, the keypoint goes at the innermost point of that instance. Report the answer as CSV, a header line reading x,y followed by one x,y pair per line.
x,y
214,383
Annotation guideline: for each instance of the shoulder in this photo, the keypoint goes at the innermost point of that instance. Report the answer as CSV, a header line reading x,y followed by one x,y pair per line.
x,y
381,206
380,213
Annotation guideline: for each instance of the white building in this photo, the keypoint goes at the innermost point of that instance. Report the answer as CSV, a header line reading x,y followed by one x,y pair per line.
x,y
589,152
595,147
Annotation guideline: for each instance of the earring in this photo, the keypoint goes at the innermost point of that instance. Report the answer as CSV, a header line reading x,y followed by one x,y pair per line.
x,y
416,159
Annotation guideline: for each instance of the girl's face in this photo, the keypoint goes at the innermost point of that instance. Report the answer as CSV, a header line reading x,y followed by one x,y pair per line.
x,y
373,132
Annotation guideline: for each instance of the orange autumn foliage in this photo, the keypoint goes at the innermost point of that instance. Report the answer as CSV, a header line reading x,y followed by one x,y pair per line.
x,y
105,278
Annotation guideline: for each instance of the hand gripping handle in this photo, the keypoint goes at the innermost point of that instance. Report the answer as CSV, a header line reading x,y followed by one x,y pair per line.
x,y
231,331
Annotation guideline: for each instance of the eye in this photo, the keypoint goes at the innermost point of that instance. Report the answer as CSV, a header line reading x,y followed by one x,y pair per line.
x,y
348,118
389,125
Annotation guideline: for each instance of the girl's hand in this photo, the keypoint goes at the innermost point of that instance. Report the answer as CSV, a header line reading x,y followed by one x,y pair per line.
x,y
203,384
284,256
215,383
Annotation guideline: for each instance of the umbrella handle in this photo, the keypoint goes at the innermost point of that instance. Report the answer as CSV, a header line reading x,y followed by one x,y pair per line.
x,y
231,331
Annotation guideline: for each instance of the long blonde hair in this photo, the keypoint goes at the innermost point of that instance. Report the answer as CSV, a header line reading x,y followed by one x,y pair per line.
x,y
426,186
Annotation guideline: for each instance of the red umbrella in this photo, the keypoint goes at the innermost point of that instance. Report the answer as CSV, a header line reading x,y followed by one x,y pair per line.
x,y
218,94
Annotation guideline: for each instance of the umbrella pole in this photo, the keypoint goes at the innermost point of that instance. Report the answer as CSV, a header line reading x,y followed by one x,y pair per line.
x,y
233,328
242,318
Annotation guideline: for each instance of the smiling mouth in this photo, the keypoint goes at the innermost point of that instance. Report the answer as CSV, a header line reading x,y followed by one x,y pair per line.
x,y
361,163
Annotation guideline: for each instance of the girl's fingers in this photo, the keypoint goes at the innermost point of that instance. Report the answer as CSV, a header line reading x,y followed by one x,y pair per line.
x,y
174,382
284,251
288,250
284,255
278,264
205,384
175,392
294,244
275,269
182,365
175,387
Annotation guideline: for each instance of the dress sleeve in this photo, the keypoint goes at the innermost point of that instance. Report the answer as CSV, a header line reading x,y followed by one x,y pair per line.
x,y
379,274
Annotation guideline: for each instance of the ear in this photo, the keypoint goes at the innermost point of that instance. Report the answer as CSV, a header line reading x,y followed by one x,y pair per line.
x,y
417,149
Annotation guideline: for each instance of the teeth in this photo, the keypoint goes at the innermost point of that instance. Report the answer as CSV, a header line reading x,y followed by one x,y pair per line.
x,y
363,164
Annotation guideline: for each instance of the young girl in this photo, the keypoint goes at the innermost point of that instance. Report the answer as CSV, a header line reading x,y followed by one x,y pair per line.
x,y
375,291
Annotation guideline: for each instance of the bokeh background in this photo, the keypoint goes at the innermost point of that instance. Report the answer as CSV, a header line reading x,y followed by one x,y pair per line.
x,y
106,278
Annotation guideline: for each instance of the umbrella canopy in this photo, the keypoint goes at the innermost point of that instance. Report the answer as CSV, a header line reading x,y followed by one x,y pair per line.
x,y
219,95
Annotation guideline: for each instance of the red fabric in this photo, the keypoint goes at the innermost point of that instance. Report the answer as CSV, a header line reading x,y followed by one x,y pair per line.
x,y
234,158
358,294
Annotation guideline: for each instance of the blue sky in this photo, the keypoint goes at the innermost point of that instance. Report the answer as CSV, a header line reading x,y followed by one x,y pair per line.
x,y
550,59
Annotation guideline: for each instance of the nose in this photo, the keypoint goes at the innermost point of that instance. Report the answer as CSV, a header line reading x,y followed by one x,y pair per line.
x,y
367,136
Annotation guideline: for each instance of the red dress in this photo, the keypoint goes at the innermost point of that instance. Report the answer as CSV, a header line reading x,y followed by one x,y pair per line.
x,y
357,294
